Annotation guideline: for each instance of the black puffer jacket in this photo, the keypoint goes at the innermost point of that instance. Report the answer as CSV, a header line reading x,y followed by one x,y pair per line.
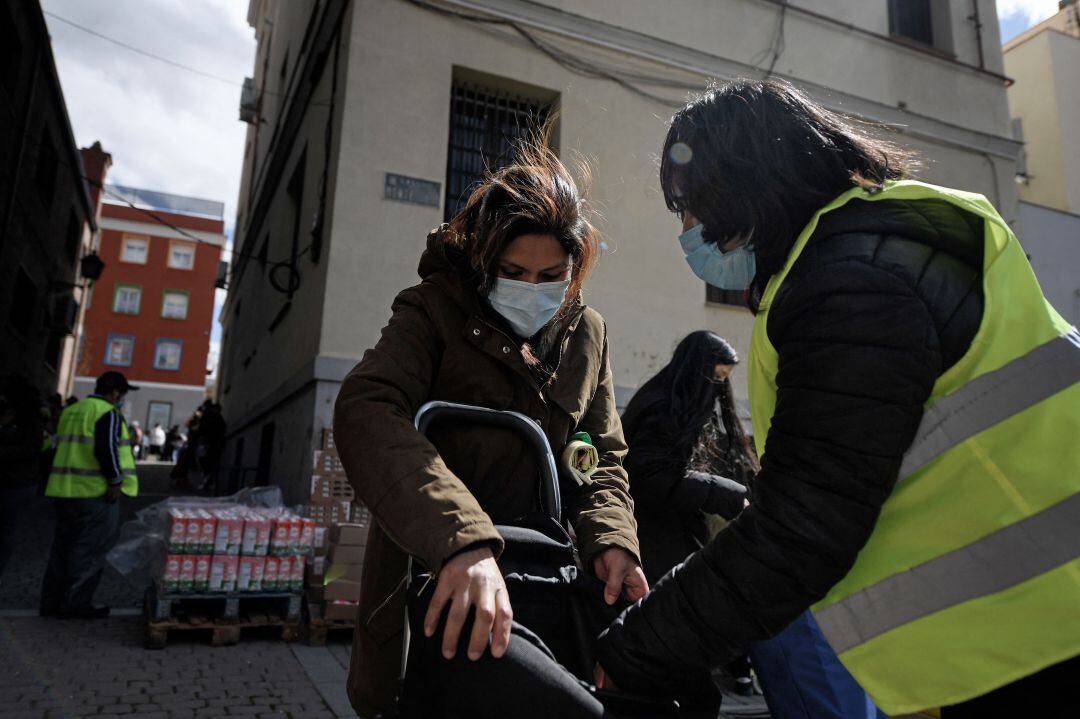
x,y
672,498
885,298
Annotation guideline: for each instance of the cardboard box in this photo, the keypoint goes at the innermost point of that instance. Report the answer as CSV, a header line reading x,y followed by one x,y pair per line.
x,y
346,554
350,534
328,514
342,589
328,462
350,572
328,439
223,573
340,610
331,488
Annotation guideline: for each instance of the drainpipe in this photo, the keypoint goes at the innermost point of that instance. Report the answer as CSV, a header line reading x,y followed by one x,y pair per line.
x,y
974,17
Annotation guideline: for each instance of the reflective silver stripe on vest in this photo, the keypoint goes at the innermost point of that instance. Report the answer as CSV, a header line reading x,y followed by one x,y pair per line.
x,y
79,439
994,397
74,439
77,472
1009,556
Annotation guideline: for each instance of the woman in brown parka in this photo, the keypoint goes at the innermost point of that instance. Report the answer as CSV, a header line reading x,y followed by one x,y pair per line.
x,y
497,321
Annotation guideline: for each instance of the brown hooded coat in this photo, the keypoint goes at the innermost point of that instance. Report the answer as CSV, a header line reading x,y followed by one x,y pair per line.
x,y
444,343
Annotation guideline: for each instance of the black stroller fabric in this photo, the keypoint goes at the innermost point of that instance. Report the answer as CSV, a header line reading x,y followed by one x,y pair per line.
x,y
558,609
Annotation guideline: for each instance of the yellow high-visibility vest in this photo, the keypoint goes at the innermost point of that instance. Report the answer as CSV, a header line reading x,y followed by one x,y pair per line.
x,y
75,469
971,577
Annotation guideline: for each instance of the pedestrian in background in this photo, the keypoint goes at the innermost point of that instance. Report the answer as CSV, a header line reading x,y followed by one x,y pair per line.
x,y
136,440
157,441
21,443
689,464
93,466
915,402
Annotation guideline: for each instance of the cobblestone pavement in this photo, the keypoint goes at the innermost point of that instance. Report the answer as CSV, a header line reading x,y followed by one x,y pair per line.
x,y
53,668
58,668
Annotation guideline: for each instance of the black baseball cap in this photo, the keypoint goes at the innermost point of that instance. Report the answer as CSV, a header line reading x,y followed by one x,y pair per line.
x,y
111,381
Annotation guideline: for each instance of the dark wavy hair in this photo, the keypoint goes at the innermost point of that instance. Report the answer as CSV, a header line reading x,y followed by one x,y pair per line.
x,y
756,159
533,195
686,391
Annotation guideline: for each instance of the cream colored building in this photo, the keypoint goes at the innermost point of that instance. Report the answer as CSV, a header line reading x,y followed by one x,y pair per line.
x,y
364,113
1045,100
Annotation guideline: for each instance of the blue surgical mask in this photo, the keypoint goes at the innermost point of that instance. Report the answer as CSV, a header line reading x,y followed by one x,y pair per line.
x,y
732,270
527,306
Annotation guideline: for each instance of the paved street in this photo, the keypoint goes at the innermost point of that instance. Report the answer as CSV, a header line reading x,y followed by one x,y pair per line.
x,y
59,668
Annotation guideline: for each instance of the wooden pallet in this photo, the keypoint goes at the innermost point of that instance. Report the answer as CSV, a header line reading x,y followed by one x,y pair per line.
x,y
314,629
224,616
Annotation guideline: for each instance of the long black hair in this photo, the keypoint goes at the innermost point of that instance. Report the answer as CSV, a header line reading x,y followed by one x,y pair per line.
x,y
687,392
756,159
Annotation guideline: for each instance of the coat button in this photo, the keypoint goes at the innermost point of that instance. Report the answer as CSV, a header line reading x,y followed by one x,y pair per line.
x,y
506,350
476,332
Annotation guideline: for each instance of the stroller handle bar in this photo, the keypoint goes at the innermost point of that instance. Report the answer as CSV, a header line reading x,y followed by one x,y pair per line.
x,y
550,495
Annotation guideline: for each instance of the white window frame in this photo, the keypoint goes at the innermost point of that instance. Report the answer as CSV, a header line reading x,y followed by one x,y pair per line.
x,y
173,245
131,239
120,288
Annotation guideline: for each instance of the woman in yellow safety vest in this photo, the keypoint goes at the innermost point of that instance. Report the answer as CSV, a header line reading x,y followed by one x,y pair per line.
x,y
915,405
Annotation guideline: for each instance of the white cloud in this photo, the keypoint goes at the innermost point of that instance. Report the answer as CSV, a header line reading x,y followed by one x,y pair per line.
x,y
167,129
1033,11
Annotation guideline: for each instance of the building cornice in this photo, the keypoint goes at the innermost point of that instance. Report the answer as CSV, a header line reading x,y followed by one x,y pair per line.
x,y
156,229
647,47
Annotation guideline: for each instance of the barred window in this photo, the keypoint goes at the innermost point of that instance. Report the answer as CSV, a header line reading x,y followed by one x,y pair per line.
x,y
485,124
911,19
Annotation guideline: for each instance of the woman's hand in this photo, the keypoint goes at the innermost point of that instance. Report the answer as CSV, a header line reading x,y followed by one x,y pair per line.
x,y
620,573
472,579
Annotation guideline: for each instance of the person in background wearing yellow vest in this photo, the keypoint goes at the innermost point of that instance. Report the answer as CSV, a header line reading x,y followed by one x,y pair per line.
x,y
93,466
915,402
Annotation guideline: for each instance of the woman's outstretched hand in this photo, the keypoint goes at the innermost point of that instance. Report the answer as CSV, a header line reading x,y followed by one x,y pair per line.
x,y
472,579
621,574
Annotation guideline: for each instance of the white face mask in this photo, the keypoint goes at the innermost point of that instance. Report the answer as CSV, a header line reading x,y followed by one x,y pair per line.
x,y
527,306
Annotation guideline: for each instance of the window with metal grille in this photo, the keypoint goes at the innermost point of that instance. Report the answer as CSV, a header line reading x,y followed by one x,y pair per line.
x,y
912,19
485,125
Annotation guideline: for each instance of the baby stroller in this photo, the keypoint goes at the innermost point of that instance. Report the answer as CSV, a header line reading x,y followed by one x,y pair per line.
x,y
552,596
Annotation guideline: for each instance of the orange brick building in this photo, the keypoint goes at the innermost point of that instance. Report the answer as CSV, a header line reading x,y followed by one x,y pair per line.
x,y
151,312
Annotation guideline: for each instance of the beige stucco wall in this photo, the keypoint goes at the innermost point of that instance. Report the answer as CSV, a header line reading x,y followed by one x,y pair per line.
x,y
1065,69
643,288
1033,98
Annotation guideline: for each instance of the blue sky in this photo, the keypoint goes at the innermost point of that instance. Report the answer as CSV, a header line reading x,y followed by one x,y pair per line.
x,y
175,131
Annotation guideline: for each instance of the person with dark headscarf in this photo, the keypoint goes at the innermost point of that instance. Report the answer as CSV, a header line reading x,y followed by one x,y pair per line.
x,y
689,457
689,464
